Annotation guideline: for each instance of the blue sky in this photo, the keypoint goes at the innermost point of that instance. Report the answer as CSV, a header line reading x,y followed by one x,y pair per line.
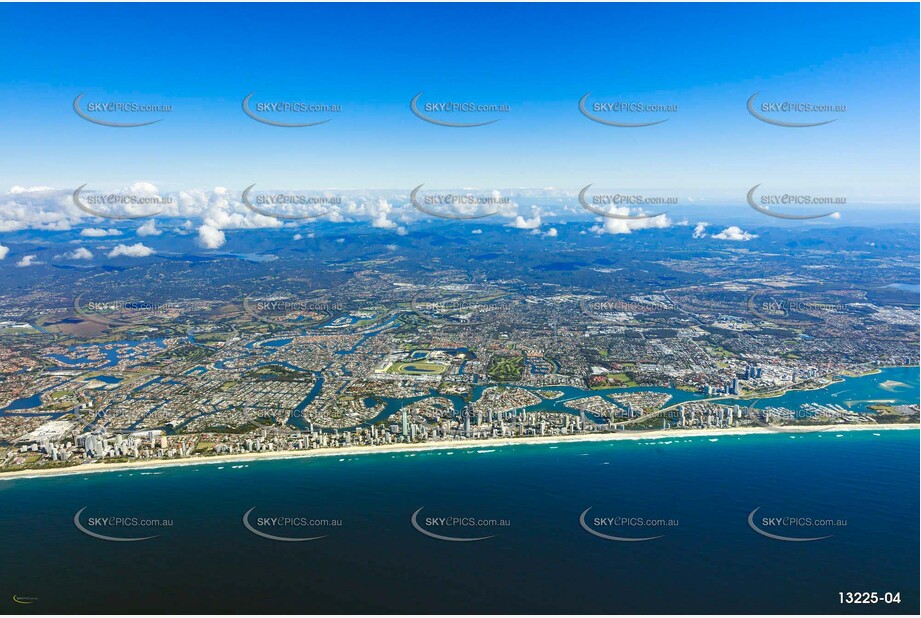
x,y
538,59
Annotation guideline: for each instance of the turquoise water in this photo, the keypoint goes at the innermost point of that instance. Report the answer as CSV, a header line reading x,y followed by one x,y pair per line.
x,y
891,386
855,393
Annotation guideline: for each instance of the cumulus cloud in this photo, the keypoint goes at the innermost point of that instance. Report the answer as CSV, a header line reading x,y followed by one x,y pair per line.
x,y
28,260
734,233
135,250
41,208
625,226
185,229
149,229
211,237
144,188
3,251
80,253
520,223
222,209
551,233
380,214
700,230
46,208
17,190
95,232
477,231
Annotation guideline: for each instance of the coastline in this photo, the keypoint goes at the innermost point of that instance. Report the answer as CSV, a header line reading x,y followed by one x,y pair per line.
x,y
775,394
435,446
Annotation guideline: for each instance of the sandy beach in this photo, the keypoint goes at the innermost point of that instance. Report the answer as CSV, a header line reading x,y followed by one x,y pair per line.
x,y
148,464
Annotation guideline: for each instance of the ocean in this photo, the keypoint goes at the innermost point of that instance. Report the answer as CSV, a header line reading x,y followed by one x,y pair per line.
x,y
695,495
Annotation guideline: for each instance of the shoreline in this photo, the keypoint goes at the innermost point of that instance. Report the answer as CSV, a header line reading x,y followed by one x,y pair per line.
x,y
436,446
791,389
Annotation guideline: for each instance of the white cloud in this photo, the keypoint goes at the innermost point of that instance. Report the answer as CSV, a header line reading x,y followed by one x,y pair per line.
x,y
28,260
40,208
625,226
734,233
143,188
211,237
95,232
80,253
381,215
700,229
149,229
298,237
17,190
222,209
551,233
135,250
520,223
3,251
477,231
